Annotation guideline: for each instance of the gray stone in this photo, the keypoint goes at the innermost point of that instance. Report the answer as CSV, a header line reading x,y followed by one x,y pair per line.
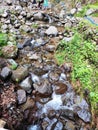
x,y
9,2
4,27
19,74
6,72
44,87
89,11
5,15
73,11
38,16
21,96
26,84
10,51
50,48
52,30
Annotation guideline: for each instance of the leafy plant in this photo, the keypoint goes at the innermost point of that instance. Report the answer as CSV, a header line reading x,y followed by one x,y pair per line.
x,y
82,54
3,39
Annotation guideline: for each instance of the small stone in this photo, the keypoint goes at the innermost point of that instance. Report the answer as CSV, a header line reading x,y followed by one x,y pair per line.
x,y
60,88
52,30
10,51
73,11
9,2
50,48
6,72
69,125
38,16
44,87
2,123
29,104
21,96
19,74
26,84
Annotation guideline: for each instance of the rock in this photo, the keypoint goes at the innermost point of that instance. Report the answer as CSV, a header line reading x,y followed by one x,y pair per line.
x,y
89,11
83,111
12,63
9,2
52,30
73,11
10,51
62,13
21,96
53,77
26,84
44,87
70,114
69,125
60,88
67,39
38,16
23,13
2,124
33,56
50,48
34,127
26,28
29,104
5,14
19,74
4,27
6,72
68,25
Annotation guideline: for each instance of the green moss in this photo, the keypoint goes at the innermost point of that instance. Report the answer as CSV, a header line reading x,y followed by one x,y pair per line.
x,y
3,39
81,53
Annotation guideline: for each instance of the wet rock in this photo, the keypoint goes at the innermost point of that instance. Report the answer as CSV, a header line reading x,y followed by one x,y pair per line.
x,y
29,104
82,109
54,104
2,123
60,88
44,87
69,125
21,96
26,84
19,74
68,113
38,16
53,76
5,73
34,127
52,30
10,51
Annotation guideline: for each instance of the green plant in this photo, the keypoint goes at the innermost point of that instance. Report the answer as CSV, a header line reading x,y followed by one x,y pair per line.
x,y
3,39
82,54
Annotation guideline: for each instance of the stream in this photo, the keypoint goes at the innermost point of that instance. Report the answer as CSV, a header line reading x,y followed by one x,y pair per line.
x,y
35,92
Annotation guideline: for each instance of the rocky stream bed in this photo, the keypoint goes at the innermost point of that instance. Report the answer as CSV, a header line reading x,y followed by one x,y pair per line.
x,y
35,92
